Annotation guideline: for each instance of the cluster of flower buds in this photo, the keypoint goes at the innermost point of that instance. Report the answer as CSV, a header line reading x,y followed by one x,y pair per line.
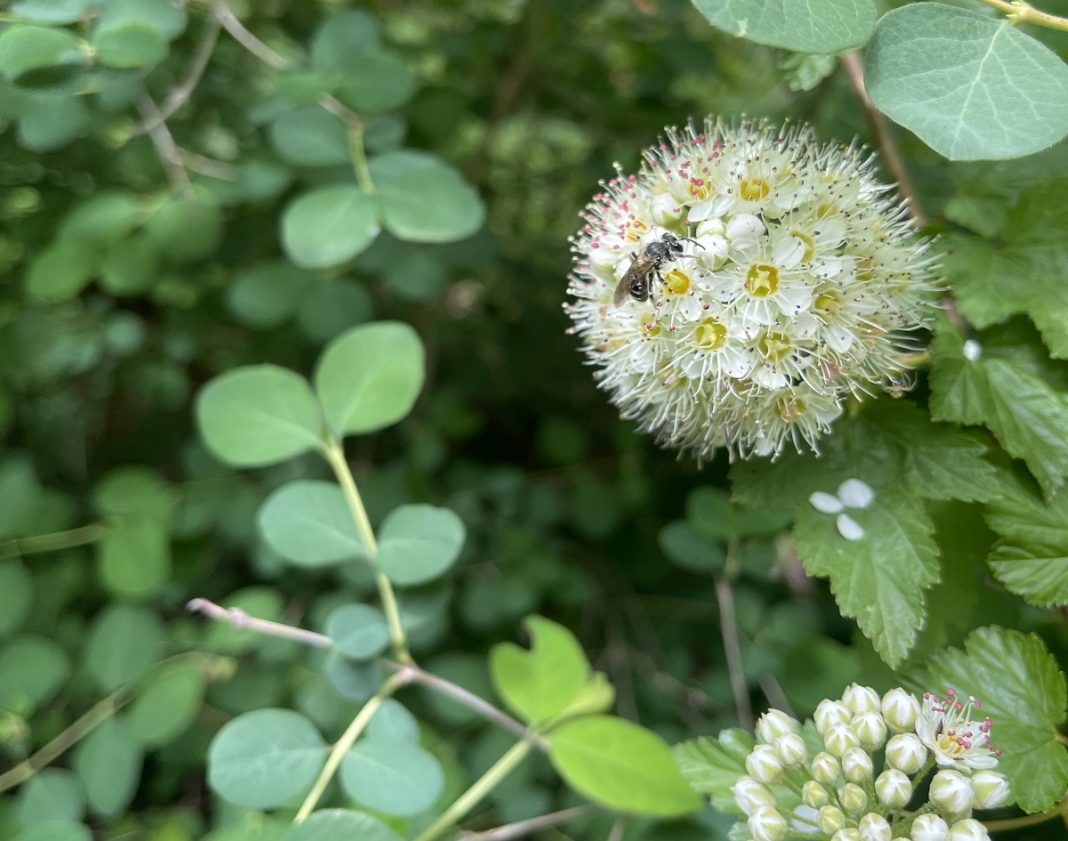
x,y
829,767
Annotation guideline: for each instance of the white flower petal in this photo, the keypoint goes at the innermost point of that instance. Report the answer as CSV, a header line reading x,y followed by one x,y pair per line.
x,y
856,493
849,528
825,503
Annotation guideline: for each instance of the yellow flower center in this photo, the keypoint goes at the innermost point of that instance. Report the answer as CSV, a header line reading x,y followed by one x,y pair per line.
x,y
790,411
636,229
950,745
677,282
762,280
710,335
865,268
700,188
829,304
810,246
754,189
774,346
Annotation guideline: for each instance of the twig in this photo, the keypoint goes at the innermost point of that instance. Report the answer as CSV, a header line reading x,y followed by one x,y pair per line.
x,y
169,153
18,546
1058,811
732,649
413,673
618,828
207,166
520,829
1021,12
776,697
180,94
895,165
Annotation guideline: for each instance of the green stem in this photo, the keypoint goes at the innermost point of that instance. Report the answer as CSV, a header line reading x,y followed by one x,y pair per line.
x,y
1028,820
335,455
52,542
1019,11
470,798
359,161
343,745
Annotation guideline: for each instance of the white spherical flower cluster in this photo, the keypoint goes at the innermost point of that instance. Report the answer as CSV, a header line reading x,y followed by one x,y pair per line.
x,y
746,281
846,795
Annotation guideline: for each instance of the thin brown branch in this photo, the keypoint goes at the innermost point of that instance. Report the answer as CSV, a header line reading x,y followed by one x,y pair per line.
x,y
180,94
240,619
210,167
521,829
880,127
733,651
169,153
1018,11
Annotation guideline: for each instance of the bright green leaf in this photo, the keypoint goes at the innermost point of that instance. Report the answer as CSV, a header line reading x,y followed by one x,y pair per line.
x,y
61,271
185,230
539,684
713,766
309,523
130,267
51,11
340,825
130,45
58,830
310,137
53,122
166,16
52,794
804,26
39,56
391,776
135,491
711,513
690,549
166,707
268,294
1023,691
16,596
369,377
108,762
393,722
32,669
418,543
423,199
346,34
265,758
258,415
620,765
358,630
328,226
380,82
134,557
972,87
125,641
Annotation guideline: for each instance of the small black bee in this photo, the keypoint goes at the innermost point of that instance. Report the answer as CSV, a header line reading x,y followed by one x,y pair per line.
x,y
636,280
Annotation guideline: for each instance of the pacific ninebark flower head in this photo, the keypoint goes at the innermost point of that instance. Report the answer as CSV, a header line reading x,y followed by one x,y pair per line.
x,y
952,730
783,277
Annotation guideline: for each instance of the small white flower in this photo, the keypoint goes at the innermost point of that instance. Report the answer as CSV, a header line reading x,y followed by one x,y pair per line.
x,y
849,834
763,765
773,724
972,350
991,789
832,819
870,729
804,284
906,753
839,738
791,750
751,795
859,699
856,493
857,765
952,792
825,503
900,710
874,827
893,789
767,824
853,799
849,528
968,830
929,828
957,739
825,769
814,795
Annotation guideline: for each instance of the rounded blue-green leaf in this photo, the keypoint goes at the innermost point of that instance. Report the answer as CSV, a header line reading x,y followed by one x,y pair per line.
x,y
972,87
16,596
124,642
381,82
258,415
265,758
134,557
309,523
358,630
804,26
55,830
61,271
310,137
423,199
49,795
51,11
418,543
108,762
39,56
130,45
393,722
31,671
369,377
268,294
328,226
167,16
168,705
356,680
391,776
340,825
619,765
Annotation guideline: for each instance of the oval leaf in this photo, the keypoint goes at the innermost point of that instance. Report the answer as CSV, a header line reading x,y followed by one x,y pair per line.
x,y
340,825
369,377
328,226
620,765
358,630
309,523
804,26
392,776
124,643
418,543
109,765
972,87
258,415
265,758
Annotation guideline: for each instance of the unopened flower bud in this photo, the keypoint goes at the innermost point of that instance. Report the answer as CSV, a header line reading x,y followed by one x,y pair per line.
x,y
856,765
893,789
814,795
831,819
825,769
710,228
870,729
929,828
846,835
991,789
968,830
830,713
874,827
767,824
763,765
751,795
666,210
906,753
900,710
791,750
952,792
853,799
773,725
861,699
839,738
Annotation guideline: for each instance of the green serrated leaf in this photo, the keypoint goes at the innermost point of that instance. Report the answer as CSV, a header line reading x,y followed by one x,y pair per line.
x,y
539,684
620,765
713,766
1023,691
956,78
805,26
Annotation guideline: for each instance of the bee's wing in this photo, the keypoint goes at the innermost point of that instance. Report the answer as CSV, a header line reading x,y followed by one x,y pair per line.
x,y
622,289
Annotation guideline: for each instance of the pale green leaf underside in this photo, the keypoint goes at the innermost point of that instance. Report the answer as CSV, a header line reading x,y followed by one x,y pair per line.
x,y
805,26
